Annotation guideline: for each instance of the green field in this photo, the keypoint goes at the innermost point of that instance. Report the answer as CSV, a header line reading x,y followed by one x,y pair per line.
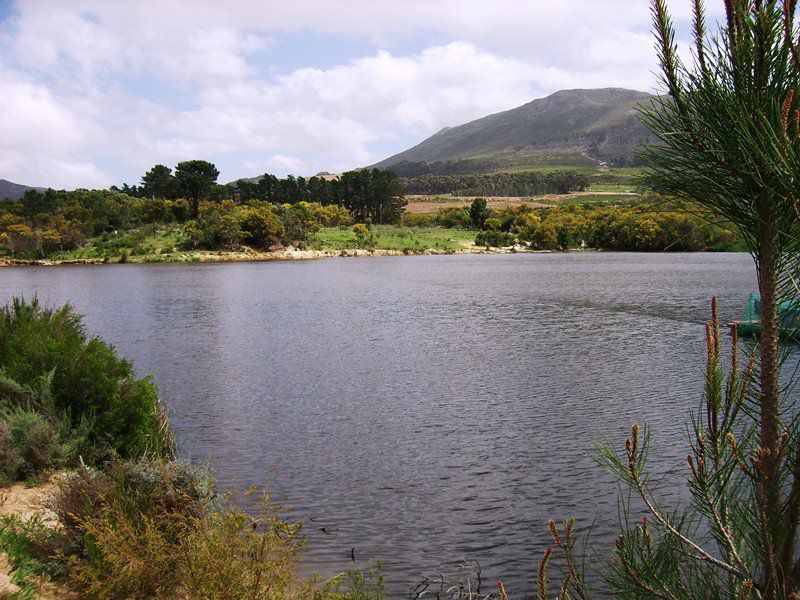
x,y
394,237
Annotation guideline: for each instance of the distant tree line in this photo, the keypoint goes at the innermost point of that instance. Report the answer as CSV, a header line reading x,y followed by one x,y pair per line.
x,y
369,194
497,184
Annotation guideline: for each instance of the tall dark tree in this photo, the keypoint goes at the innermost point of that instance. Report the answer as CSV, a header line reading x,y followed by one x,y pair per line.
x,y
478,212
372,195
196,179
159,182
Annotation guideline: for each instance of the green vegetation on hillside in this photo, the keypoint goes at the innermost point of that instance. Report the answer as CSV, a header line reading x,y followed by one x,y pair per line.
x,y
650,226
497,184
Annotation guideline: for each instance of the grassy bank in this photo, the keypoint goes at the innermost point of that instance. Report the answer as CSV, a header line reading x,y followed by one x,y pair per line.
x,y
167,244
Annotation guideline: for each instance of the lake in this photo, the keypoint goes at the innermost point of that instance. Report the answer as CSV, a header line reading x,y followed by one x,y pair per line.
x,y
419,410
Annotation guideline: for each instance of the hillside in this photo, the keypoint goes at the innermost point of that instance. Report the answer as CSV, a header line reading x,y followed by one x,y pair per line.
x,y
566,127
14,191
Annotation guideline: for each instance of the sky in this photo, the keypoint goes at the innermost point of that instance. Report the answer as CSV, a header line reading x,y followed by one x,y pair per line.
x,y
95,92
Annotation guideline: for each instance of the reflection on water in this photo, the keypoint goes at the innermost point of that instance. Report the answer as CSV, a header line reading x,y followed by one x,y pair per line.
x,y
430,408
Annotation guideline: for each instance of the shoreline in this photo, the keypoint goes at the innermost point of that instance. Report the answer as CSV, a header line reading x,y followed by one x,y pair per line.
x,y
256,256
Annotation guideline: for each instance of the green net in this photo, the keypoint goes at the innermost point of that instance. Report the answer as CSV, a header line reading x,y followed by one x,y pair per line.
x,y
788,312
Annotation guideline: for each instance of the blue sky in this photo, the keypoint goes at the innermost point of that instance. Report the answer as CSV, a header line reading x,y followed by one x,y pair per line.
x,y
97,91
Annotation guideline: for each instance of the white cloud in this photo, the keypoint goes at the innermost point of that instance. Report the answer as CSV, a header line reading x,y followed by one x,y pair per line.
x,y
42,136
276,162
95,91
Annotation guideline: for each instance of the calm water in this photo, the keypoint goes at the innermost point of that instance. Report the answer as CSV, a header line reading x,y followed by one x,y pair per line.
x,y
422,410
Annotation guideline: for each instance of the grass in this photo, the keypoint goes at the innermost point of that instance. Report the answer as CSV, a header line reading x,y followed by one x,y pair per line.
x,y
143,242
621,188
393,237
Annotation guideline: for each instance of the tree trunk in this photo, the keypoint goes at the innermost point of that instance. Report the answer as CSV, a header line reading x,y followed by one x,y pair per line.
x,y
770,391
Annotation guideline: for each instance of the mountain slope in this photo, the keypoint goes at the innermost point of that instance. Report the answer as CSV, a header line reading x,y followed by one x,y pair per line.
x,y
14,191
601,123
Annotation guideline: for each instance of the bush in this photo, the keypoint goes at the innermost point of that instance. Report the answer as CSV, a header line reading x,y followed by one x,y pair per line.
x,y
154,530
299,223
34,440
364,236
417,220
261,228
453,217
10,457
332,215
493,224
495,239
89,382
544,237
217,226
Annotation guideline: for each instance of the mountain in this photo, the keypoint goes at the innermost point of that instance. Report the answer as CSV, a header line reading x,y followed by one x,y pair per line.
x,y
14,191
564,127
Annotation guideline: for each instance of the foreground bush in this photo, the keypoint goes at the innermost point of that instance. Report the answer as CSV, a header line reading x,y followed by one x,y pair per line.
x,y
87,398
154,529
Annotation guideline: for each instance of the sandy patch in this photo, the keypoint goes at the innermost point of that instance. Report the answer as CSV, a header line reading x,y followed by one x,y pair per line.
x,y
26,502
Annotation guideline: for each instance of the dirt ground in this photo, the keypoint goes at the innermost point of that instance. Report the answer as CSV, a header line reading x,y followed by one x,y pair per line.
x,y
25,502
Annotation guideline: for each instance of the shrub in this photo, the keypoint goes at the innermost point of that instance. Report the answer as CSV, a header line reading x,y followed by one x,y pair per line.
x,y
217,226
90,383
299,223
28,544
261,228
493,224
153,530
10,457
495,239
417,220
453,217
332,215
544,237
36,442
364,236
18,239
